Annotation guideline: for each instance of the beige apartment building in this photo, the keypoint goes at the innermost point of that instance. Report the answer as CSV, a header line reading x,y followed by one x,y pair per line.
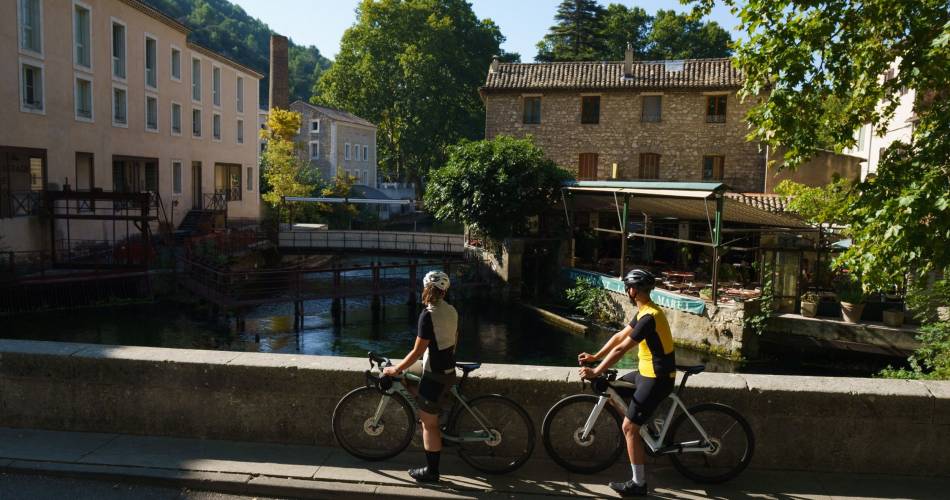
x,y
337,142
110,95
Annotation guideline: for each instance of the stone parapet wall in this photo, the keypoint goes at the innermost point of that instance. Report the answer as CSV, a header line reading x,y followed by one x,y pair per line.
x,y
681,138
803,423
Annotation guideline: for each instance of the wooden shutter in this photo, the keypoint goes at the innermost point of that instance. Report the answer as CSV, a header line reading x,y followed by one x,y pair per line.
x,y
649,166
587,168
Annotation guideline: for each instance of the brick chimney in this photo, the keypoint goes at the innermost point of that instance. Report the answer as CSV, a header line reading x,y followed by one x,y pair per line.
x,y
628,61
495,60
279,91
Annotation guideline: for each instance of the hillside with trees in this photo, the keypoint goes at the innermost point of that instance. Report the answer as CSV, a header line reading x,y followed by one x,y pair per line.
x,y
225,28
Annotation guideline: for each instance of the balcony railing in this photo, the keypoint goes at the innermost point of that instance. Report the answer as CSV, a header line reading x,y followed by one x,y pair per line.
x,y
22,204
216,202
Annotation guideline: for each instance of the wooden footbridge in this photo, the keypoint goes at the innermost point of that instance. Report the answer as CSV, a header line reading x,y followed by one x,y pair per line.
x,y
237,291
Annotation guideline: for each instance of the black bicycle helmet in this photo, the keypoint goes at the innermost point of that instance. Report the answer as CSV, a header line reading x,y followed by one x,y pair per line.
x,y
639,279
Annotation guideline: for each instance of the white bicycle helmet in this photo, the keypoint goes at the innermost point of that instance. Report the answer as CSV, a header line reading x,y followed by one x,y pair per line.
x,y
437,279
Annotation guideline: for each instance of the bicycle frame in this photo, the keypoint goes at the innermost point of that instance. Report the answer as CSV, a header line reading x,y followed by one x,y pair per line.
x,y
655,444
399,388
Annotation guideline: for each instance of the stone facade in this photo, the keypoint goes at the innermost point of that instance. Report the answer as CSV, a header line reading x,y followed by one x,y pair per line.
x,y
326,134
682,137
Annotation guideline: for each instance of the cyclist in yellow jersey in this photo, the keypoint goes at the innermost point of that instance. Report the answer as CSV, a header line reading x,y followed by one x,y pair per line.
x,y
654,379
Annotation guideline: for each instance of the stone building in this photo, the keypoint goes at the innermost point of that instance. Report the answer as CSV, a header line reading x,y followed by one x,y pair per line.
x,y
110,95
337,142
662,120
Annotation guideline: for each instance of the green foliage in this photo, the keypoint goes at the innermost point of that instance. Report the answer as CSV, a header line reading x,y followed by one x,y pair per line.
x,y
591,300
226,29
585,31
810,297
757,321
849,289
932,359
830,203
413,67
494,186
285,170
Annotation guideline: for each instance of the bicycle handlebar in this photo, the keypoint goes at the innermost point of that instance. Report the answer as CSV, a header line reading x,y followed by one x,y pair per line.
x,y
379,360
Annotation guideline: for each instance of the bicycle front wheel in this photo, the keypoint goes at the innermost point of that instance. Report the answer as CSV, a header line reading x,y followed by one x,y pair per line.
x,y
503,443
362,435
728,432
563,435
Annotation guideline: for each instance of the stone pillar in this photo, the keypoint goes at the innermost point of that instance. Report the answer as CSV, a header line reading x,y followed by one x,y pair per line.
x,y
279,90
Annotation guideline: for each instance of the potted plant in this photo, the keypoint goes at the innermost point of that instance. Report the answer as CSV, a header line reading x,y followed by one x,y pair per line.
x,y
851,295
810,304
894,316
706,293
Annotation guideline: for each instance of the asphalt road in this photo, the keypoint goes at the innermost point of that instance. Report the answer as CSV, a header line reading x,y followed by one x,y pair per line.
x,y
30,487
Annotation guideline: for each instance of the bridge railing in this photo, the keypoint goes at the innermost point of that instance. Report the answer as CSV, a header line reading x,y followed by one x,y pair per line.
x,y
374,240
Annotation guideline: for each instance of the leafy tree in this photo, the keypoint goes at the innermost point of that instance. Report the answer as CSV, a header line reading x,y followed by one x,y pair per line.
x,y
494,186
825,204
680,36
577,34
284,169
413,67
226,29
623,25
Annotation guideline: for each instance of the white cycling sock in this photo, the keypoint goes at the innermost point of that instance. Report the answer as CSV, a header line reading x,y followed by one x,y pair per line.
x,y
639,475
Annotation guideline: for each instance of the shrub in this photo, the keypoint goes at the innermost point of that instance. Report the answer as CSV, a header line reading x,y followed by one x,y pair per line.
x,y
591,300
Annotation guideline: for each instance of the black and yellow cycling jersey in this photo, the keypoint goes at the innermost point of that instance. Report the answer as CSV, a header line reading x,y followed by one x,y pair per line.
x,y
652,331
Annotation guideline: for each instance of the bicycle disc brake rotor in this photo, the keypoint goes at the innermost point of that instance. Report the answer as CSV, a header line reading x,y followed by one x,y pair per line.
x,y
373,430
579,437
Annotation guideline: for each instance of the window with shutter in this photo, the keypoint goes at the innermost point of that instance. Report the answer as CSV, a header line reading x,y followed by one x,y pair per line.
x,y
587,168
649,166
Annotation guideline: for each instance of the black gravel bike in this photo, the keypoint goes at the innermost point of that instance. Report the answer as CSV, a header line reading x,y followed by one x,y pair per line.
x,y
378,421
708,442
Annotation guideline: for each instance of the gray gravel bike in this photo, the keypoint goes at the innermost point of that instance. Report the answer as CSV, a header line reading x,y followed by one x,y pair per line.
x,y
378,421
708,443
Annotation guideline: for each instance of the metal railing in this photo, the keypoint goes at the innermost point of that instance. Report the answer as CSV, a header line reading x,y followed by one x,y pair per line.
x,y
22,204
374,240
216,202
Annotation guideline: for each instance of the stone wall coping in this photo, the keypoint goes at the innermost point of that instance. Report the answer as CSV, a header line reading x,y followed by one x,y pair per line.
x,y
870,387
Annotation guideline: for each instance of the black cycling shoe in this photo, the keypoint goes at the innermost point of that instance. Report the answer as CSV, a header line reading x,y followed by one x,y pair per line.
x,y
422,475
629,488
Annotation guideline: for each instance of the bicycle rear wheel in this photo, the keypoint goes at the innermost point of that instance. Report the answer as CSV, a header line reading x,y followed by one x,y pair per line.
x,y
728,431
354,429
563,428
509,434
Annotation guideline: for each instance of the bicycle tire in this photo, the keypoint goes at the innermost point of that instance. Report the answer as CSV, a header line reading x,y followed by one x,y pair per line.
x,y
352,429
718,420
565,422
514,442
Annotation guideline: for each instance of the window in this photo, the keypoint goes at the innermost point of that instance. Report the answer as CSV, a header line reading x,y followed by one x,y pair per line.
x,y
346,151
151,62
176,177
716,109
81,36
250,178
227,181
713,168
83,95
859,138
649,166
652,109
84,172
364,177
31,88
118,50
196,122
134,175
216,86
532,110
216,126
151,113
240,131
314,150
587,167
31,26
590,109
176,64
120,106
365,153
356,152
196,79
314,126
23,174
240,95
176,118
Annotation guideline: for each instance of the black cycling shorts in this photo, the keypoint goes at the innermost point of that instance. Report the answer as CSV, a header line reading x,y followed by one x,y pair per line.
x,y
648,395
434,391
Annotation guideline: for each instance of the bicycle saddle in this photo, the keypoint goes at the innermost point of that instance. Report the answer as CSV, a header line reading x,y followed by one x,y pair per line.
x,y
467,367
691,370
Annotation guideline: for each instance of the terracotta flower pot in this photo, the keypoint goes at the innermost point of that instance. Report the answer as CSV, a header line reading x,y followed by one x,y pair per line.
x,y
809,309
894,319
852,312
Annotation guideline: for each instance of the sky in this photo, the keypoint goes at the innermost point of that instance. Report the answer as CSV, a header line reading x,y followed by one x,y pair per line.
x,y
523,22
